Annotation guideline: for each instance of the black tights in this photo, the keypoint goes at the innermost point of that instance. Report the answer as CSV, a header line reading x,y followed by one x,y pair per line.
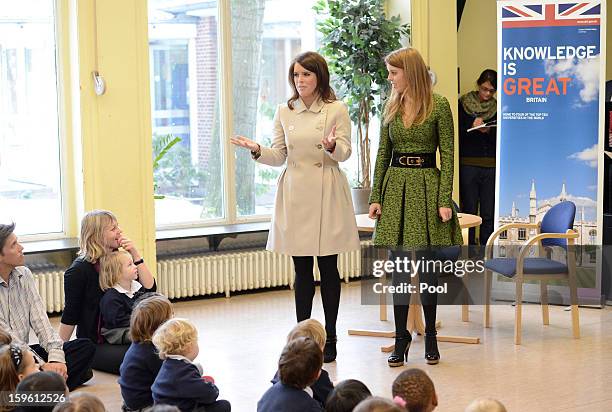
x,y
401,301
305,288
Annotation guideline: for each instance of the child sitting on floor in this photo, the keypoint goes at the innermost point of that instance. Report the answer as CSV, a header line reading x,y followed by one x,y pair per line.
x,y
299,367
378,404
50,383
141,363
415,391
16,363
179,381
81,402
346,395
485,405
312,328
118,275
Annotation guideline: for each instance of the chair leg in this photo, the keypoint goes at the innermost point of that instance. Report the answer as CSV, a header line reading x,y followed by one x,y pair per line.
x,y
544,302
488,278
574,305
518,313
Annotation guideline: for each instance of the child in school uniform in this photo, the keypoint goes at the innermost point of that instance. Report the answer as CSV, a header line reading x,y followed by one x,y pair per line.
x,y
118,275
313,329
16,363
141,362
346,396
378,404
415,391
299,367
179,381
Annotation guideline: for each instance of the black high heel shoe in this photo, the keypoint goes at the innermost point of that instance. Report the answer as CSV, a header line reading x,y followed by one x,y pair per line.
x,y
432,355
402,344
329,351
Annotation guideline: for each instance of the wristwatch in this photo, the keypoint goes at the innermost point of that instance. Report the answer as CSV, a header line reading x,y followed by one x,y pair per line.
x,y
255,154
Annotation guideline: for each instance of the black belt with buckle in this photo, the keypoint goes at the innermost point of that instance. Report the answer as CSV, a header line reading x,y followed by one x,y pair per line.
x,y
422,160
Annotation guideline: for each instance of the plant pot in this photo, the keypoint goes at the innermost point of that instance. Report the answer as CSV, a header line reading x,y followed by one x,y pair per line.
x,y
360,200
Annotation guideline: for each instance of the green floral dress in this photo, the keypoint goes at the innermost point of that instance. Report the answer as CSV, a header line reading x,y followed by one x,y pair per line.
x,y
410,197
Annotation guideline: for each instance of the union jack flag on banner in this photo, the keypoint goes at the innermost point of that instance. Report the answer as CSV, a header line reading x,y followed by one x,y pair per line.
x,y
561,14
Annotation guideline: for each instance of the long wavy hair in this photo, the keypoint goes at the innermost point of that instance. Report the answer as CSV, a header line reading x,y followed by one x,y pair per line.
x,y
315,63
92,234
415,102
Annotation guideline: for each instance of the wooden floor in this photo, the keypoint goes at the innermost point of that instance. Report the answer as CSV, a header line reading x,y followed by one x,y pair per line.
x,y
241,338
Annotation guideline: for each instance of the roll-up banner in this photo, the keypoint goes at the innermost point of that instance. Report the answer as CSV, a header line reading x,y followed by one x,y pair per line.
x,y
551,69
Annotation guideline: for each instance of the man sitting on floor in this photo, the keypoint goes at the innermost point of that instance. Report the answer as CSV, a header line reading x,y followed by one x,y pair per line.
x,y
22,309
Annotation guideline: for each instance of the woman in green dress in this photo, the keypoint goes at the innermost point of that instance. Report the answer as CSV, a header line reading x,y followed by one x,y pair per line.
x,y
411,197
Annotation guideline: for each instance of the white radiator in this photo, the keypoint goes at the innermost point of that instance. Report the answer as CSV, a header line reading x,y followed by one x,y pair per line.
x,y
210,274
51,288
239,271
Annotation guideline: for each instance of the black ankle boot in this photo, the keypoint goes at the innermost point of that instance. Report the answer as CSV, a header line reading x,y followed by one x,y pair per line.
x,y
402,344
432,355
329,351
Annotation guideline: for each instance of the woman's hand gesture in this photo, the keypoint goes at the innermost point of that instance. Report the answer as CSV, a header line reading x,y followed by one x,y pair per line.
x,y
245,142
375,211
329,142
446,213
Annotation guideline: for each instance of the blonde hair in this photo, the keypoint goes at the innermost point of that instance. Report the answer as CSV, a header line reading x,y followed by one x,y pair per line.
x,y
485,405
91,242
309,328
110,268
174,337
148,314
81,402
415,102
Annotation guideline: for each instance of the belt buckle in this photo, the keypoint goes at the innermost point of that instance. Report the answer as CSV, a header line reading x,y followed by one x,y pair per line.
x,y
414,161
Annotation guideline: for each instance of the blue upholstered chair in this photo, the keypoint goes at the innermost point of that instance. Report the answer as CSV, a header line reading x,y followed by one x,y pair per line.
x,y
556,229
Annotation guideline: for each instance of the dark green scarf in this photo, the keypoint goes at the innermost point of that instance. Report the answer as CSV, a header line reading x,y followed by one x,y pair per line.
x,y
474,107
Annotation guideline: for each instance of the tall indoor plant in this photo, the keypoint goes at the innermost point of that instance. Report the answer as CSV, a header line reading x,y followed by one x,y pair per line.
x,y
356,37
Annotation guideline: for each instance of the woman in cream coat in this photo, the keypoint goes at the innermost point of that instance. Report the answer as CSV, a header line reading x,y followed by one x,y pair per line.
x,y
313,212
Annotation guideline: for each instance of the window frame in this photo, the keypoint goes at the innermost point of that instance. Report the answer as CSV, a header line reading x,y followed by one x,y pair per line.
x,y
224,84
63,78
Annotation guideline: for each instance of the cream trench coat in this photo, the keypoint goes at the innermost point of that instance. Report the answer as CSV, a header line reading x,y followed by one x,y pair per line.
x,y
313,210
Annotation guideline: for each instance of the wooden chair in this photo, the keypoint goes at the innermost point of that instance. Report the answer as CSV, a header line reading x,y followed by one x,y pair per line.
x,y
556,229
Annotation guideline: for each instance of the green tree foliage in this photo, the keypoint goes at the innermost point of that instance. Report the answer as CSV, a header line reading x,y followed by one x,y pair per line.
x,y
356,37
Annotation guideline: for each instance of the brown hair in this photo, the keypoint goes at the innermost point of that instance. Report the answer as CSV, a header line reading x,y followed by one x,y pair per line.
x,y
416,388
315,63
111,268
174,336
5,232
300,362
148,314
378,404
91,242
81,402
309,328
488,75
415,102
5,337
9,373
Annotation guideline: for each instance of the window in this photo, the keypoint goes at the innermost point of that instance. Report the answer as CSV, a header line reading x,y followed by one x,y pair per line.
x,y
184,65
30,177
187,80
265,37
503,235
502,251
522,234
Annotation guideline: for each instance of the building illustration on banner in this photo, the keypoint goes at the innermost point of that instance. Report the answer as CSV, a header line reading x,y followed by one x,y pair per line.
x,y
587,229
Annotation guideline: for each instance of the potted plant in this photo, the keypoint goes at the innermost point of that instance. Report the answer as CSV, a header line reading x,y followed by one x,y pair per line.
x,y
356,37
